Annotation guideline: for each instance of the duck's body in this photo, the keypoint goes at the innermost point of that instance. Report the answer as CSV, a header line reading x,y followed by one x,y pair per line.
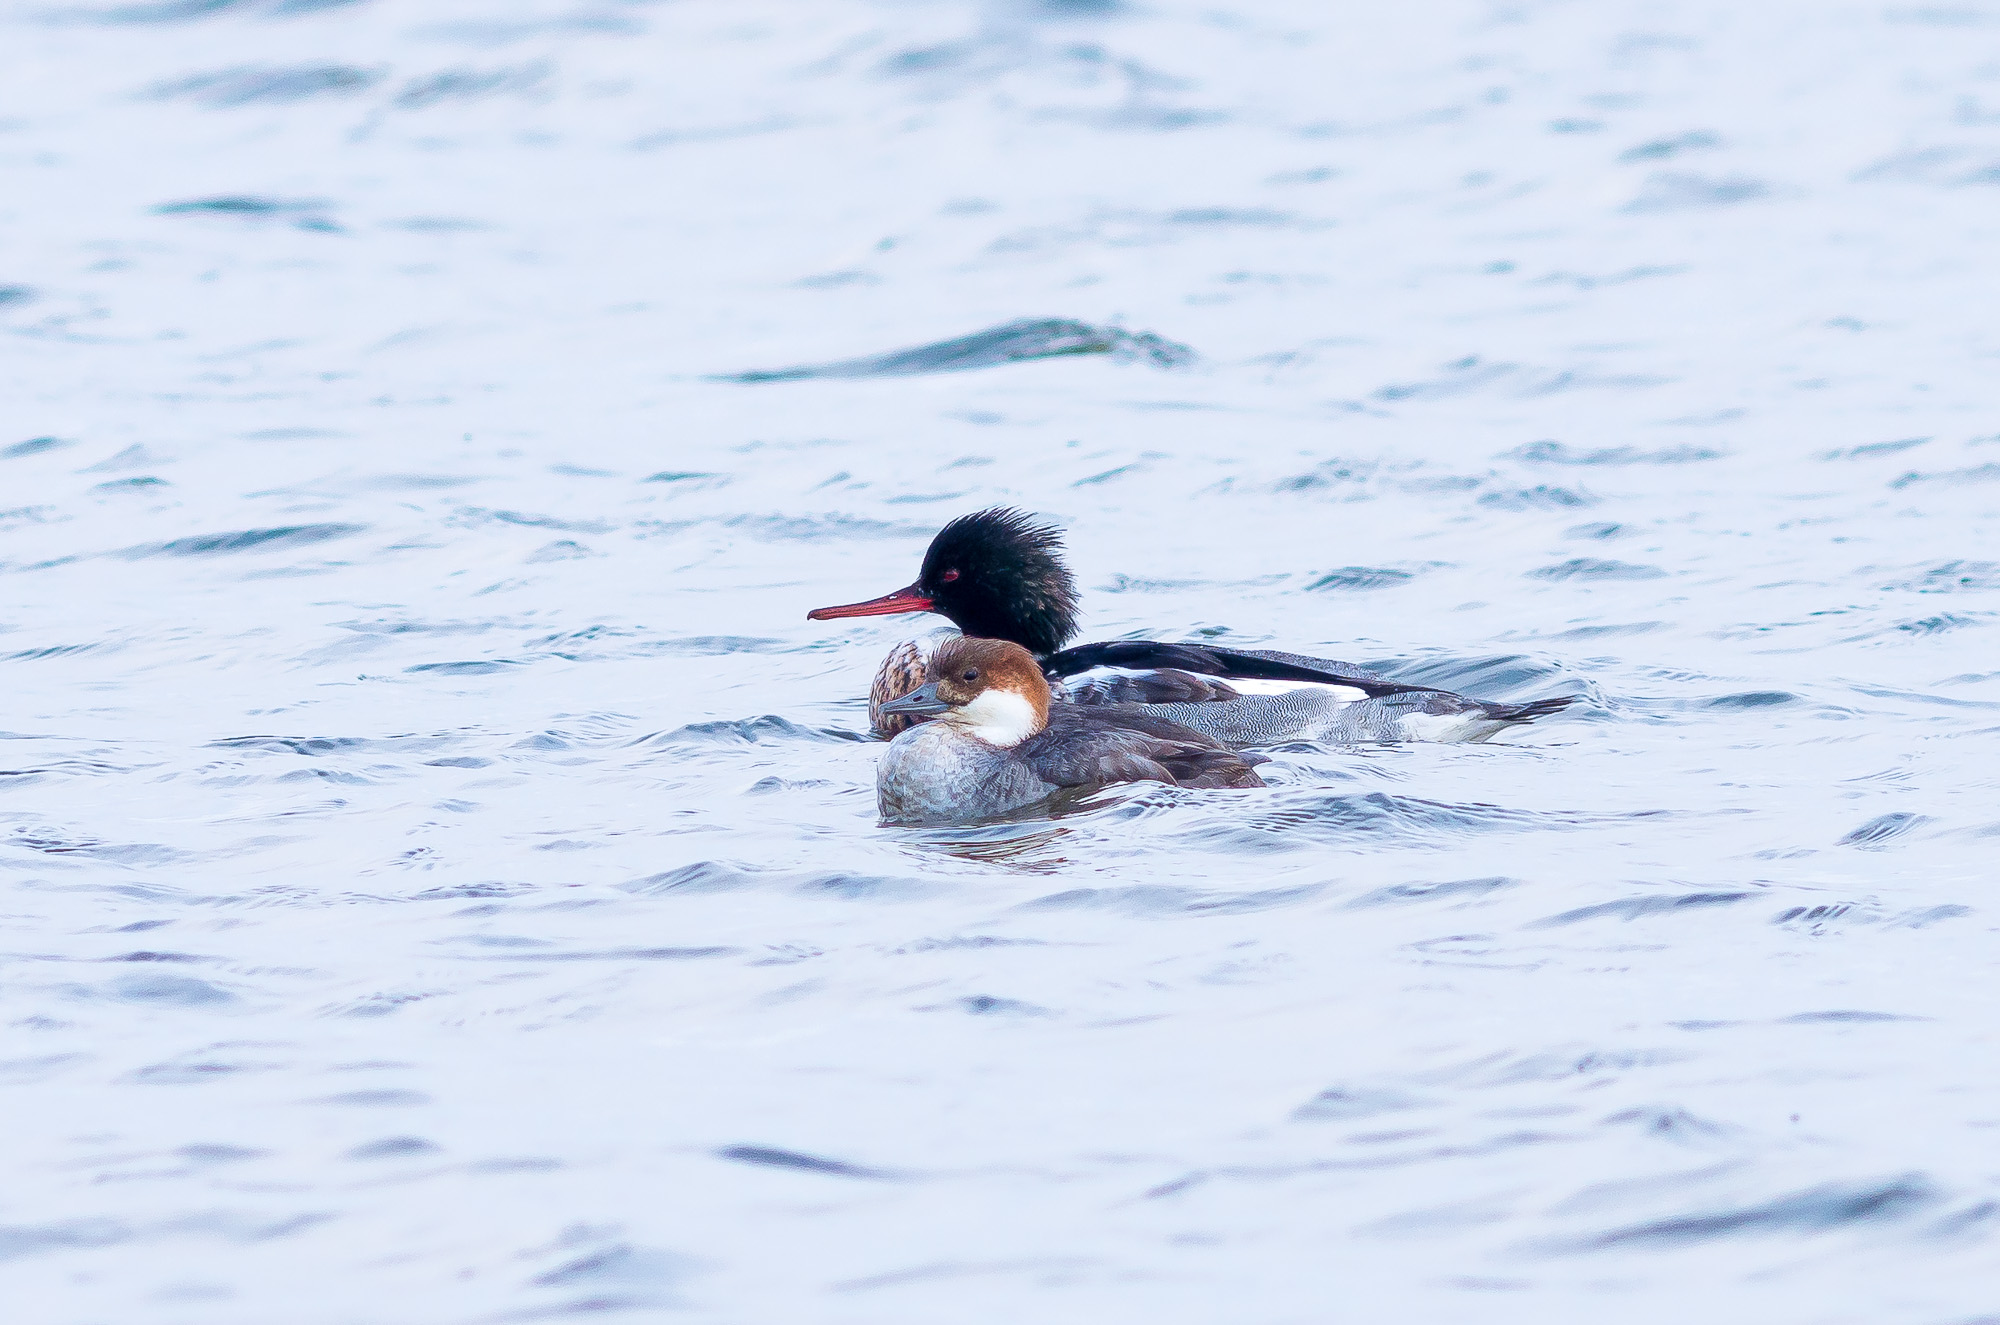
x,y
1252,697
995,742
998,575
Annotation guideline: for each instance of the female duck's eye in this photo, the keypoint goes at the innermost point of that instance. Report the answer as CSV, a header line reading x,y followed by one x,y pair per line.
x,y
949,576
971,674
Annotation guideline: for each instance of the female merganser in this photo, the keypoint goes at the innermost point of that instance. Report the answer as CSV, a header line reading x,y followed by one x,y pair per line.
x,y
995,742
997,574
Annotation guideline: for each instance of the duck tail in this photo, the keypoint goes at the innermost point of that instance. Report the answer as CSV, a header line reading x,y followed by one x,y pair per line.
x,y
1540,708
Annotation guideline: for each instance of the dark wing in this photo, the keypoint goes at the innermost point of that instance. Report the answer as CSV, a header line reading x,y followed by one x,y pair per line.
x,y
1165,685
1098,745
1204,660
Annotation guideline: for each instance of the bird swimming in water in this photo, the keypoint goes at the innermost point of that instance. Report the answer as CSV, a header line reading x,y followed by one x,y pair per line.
x,y
995,741
998,574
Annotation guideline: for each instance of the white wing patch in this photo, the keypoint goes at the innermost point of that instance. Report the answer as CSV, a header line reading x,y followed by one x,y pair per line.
x,y
1084,681
1339,694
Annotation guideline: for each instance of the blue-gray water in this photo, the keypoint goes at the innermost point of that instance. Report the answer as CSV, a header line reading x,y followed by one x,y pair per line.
x,y
441,880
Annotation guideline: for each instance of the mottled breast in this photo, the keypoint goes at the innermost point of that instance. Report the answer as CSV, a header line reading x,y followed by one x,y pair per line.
x,y
901,672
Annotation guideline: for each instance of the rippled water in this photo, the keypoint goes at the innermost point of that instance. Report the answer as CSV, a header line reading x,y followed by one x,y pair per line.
x,y
442,881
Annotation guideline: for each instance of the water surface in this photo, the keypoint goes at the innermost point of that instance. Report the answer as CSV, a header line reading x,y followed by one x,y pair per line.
x,y
440,868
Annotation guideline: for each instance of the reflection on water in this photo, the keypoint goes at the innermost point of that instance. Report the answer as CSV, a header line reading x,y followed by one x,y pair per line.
x,y
442,864
1016,342
1022,841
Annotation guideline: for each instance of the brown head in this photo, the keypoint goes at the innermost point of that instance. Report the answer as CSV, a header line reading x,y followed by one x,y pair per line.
x,y
993,689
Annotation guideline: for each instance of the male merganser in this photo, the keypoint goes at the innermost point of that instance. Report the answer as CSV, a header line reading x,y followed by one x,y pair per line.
x,y
997,574
996,743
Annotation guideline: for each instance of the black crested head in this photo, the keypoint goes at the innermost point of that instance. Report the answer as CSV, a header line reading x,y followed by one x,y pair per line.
x,y
999,575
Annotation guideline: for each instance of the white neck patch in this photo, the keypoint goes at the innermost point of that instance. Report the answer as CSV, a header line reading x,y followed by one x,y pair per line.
x,y
998,717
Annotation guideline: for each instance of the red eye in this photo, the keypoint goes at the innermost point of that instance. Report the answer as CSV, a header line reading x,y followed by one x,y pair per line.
x,y
948,576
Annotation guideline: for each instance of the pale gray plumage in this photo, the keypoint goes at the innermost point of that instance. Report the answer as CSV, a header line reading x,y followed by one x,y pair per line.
x,y
975,758
1318,715
933,774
